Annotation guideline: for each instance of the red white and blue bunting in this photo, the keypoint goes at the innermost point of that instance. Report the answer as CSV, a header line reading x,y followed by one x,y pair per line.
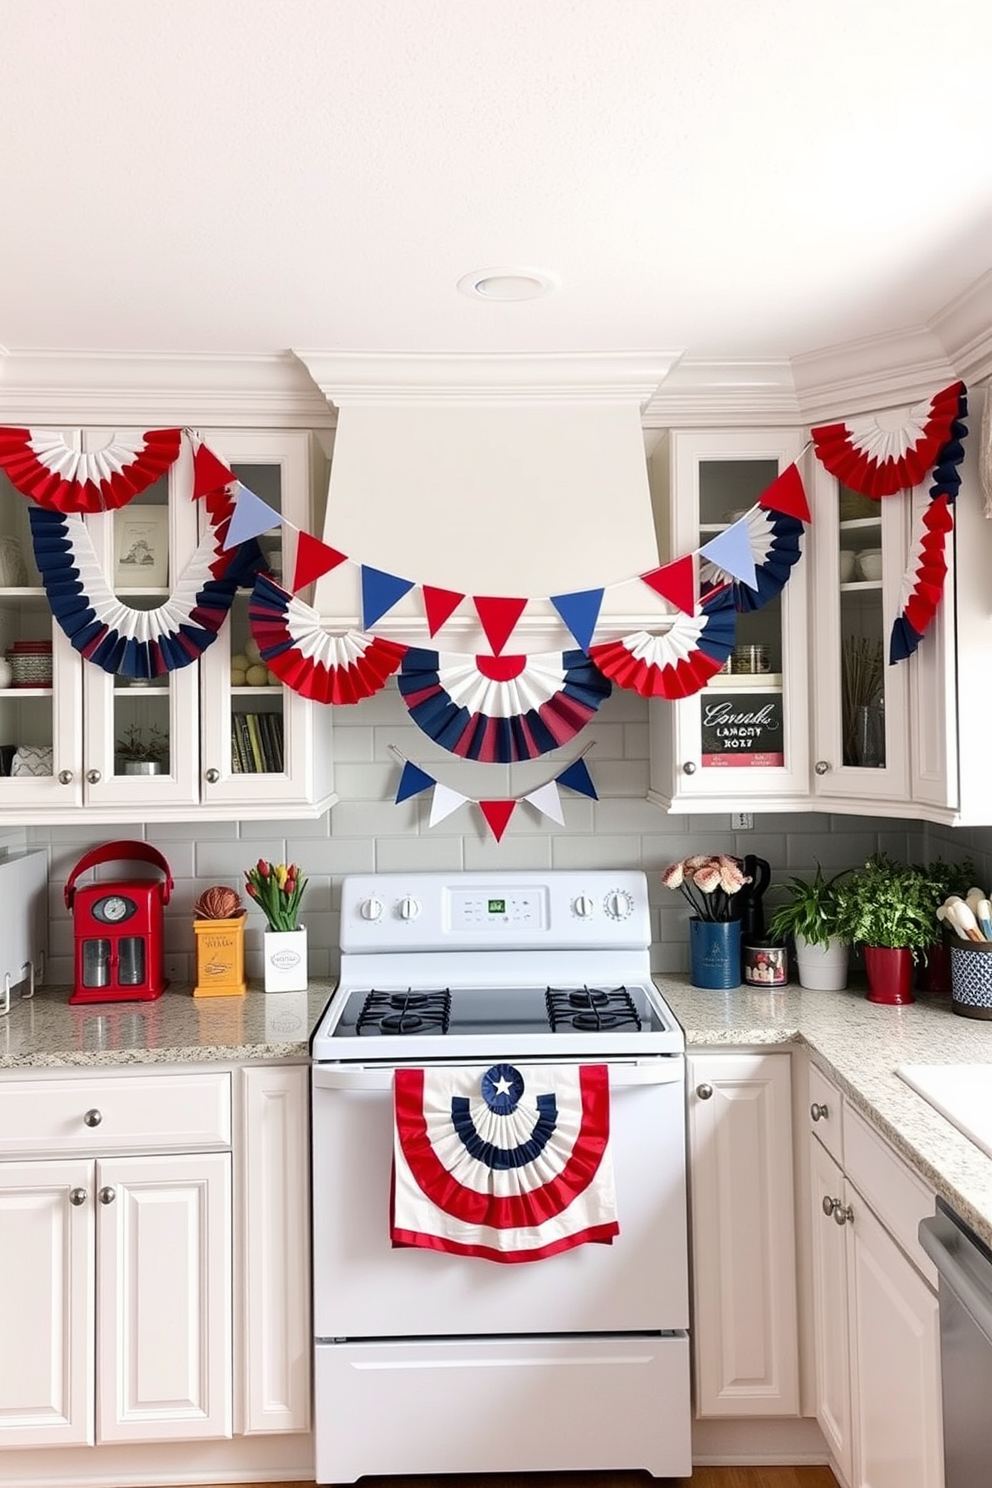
x,y
40,464
499,709
677,662
505,1163
497,812
876,461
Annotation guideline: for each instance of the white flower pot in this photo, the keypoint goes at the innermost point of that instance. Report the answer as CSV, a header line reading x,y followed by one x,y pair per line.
x,y
285,960
822,968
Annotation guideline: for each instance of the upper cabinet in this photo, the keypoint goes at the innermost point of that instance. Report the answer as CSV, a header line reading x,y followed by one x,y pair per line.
x,y
745,734
73,735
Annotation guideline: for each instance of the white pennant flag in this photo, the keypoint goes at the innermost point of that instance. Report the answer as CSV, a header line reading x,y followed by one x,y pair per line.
x,y
444,802
547,799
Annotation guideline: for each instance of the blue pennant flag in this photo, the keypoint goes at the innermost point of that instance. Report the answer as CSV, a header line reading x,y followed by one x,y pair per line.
x,y
250,517
580,612
412,782
731,551
577,778
380,591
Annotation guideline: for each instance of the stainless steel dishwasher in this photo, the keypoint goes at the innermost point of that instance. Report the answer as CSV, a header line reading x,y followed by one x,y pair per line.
x,y
964,1267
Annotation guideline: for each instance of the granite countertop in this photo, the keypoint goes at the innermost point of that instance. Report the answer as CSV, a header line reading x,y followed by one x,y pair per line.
x,y
858,1045
44,1032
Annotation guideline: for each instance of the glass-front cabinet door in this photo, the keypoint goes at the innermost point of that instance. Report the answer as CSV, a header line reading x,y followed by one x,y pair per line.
x,y
861,734
743,738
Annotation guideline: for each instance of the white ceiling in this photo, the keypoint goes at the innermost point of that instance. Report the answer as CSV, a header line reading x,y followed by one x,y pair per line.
x,y
713,178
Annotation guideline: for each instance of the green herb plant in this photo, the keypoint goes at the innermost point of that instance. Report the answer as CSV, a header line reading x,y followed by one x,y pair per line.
x,y
887,904
811,910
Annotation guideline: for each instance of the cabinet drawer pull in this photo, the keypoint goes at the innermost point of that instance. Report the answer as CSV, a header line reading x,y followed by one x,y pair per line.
x,y
107,1195
77,1196
92,1117
818,1112
829,1205
843,1216
65,777
821,767
93,776
212,776
688,768
704,1091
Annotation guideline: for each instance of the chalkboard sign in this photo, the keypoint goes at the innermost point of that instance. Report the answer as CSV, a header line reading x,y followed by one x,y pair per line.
x,y
741,729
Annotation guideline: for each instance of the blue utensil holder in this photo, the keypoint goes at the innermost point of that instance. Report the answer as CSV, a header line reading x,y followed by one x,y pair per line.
x,y
715,953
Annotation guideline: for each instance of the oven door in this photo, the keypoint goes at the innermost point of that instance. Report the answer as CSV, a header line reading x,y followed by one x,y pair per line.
x,y
363,1288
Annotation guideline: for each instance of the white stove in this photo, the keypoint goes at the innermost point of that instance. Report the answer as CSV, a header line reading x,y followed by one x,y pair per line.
x,y
573,1362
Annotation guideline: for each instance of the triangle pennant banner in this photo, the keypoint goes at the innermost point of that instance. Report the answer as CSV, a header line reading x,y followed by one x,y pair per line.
x,y
444,802
547,799
209,473
497,814
730,551
250,518
498,617
313,559
380,591
412,782
580,612
675,582
439,606
787,494
577,778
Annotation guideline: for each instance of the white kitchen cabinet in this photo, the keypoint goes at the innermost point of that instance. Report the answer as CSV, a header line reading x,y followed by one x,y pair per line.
x,y
742,1216
119,1325
702,756
81,719
275,1215
876,1332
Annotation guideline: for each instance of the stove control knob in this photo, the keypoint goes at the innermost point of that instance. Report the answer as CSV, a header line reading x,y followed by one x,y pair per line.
x,y
409,907
584,907
619,904
371,909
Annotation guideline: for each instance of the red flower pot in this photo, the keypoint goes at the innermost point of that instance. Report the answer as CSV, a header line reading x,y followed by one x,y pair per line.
x,y
890,974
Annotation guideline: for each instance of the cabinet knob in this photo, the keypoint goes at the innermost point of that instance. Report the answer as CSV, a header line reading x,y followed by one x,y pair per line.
x,y
92,1117
821,767
107,1195
843,1216
829,1205
93,776
704,1092
688,768
77,1196
212,777
65,777
818,1112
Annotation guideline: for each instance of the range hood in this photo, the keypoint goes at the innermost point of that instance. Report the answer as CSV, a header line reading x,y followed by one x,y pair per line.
x,y
499,476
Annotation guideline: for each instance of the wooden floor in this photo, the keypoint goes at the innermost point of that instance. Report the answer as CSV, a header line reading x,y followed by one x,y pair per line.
x,y
703,1477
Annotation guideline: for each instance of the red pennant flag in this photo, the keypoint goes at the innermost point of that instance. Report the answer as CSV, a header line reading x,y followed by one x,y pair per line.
x,y
676,582
498,617
439,605
209,473
787,494
497,814
313,558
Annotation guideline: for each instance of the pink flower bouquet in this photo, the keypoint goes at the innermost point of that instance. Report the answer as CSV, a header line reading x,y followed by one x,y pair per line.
x,y
708,884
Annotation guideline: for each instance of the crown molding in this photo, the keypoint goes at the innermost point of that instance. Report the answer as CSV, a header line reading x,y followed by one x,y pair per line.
x,y
75,387
865,376
964,328
707,392
456,377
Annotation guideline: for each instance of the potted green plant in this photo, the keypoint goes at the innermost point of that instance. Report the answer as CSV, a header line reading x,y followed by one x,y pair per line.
x,y
887,908
140,752
809,917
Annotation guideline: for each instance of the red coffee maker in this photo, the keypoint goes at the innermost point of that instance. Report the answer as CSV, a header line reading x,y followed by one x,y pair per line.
x,y
117,928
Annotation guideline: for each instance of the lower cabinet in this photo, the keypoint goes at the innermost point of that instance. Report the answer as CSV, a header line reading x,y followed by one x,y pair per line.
x,y
742,1216
876,1333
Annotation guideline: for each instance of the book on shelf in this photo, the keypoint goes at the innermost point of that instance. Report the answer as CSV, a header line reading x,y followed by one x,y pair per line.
x,y
256,743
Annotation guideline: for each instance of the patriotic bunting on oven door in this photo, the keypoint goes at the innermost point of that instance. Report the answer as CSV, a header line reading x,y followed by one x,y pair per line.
x,y
121,640
875,461
499,709
41,465
774,540
678,662
328,669
502,1162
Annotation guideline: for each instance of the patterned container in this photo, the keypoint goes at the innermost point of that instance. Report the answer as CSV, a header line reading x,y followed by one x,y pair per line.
x,y
31,663
971,979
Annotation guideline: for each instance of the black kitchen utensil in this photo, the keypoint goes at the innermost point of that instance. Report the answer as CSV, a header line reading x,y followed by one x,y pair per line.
x,y
753,895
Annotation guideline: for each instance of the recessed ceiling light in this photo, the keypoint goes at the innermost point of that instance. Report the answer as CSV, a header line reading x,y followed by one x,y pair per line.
x,y
507,284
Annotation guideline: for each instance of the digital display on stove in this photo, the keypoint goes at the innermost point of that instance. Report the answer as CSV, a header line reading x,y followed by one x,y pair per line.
x,y
497,906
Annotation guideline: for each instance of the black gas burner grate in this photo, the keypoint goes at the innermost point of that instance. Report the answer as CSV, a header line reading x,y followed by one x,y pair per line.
x,y
405,1012
593,1009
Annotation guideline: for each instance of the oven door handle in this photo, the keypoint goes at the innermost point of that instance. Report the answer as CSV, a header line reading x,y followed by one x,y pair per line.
x,y
668,1070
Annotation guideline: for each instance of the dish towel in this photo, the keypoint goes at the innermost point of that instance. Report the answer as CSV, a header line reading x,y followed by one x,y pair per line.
x,y
509,1164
